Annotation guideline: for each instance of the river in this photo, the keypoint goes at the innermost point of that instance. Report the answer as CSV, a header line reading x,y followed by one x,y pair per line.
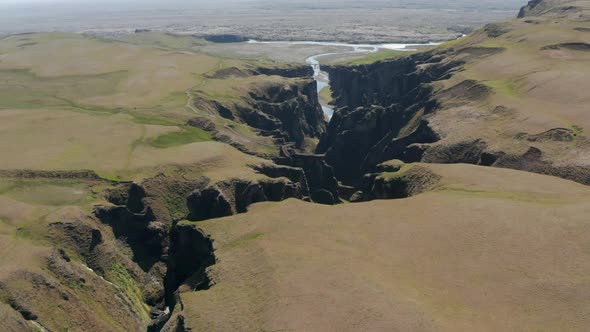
x,y
322,78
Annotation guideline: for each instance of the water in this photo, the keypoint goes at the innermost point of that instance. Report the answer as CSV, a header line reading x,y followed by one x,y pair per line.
x,y
322,78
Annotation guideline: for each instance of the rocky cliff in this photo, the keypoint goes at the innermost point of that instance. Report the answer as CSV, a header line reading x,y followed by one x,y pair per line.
x,y
395,180
144,216
288,112
479,100
380,111
279,106
286,71
532,5
576,10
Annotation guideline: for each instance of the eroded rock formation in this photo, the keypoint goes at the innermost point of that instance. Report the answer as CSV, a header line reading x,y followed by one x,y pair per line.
x,y
289,113
381,112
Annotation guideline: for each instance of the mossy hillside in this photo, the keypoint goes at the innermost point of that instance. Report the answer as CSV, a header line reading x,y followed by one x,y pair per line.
x,y
186,135
123,279
507,87
27,208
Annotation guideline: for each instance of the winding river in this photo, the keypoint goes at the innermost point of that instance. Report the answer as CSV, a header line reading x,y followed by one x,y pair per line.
x,y
322,78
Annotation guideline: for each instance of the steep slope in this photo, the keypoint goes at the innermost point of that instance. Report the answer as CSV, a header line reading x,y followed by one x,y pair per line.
x,y
576,9
506,96
62,269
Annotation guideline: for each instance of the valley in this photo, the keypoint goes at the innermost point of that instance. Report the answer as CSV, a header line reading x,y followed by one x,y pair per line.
x,y
161,180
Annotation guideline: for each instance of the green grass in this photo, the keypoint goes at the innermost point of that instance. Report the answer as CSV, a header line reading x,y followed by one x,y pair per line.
x,y
377,56
270,151
451,43
111,177
46,192
75,284
243,129
124,280
160,40
178,98
176,203
326,94
21,88
505,87
577,130
142,118
245,239
511,196
187,135
33,230
496,43
23,233
396,175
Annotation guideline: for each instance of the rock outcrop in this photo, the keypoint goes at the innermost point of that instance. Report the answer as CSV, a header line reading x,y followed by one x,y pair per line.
x,y
574,10
74,289
229,197
388,82
434,107
395,180
285,109
531,5
190,256
210,127
381,109
207,204
290,72
323,187
164,253
290,113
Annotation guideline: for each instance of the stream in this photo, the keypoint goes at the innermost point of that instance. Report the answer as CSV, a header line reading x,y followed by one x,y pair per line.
x,y
322,78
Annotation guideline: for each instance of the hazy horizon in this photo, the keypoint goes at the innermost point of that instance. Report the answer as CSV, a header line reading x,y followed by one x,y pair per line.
x,y
499,4
393,20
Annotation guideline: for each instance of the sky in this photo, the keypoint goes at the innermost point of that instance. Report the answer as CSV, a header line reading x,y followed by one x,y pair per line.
x,y
112,3
12,2
16,2
38,1
44,2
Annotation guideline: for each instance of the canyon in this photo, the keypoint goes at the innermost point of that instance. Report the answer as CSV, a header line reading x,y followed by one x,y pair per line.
x,y
449,188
